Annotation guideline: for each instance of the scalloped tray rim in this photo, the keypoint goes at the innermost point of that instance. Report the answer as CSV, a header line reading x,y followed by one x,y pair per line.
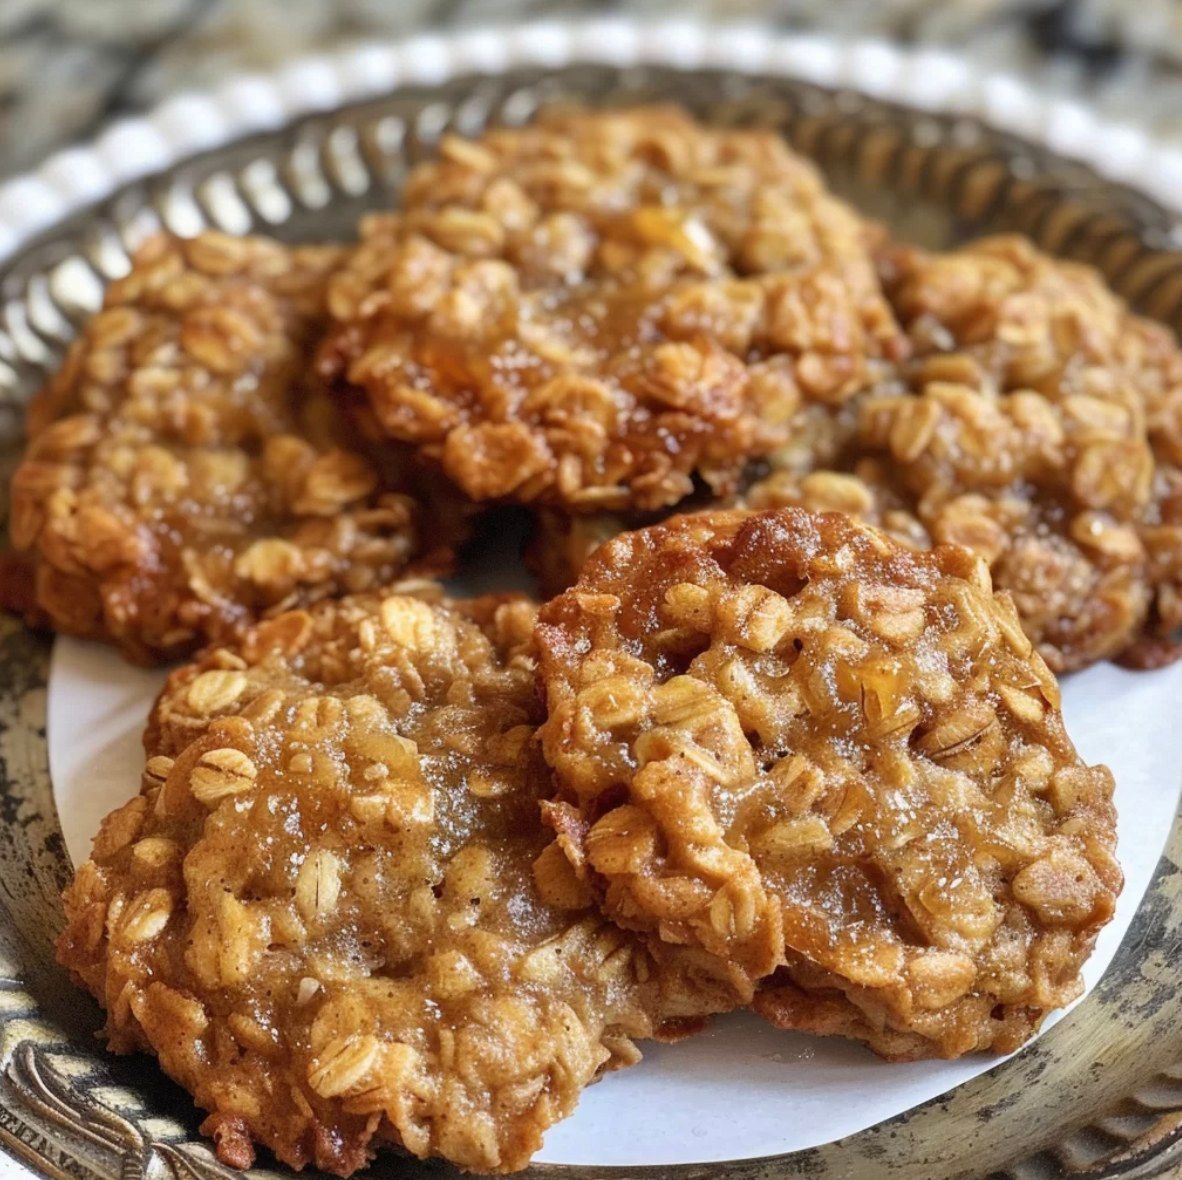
x,y
928,79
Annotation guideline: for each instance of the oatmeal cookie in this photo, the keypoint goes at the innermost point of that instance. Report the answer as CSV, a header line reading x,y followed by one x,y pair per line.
x,y
590,311
333,912
183,476
1042,427
1038,424
790,741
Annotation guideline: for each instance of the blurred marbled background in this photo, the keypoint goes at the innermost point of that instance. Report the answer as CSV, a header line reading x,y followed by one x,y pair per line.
x,y
67,66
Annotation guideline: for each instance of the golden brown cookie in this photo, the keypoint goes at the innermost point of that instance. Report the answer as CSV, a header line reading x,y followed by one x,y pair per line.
x,y
183,475
788,740
591,311
1036,426
333,912
1039,427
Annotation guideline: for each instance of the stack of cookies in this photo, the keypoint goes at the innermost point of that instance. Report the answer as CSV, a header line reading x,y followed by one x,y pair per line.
x,y
818,519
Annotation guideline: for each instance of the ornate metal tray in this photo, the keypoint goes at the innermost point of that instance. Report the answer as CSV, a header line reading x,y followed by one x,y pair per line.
x,y
1101,1094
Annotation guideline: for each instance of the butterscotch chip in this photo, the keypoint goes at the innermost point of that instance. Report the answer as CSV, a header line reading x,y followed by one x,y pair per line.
x,y
788,740
592,310
182,476
333,912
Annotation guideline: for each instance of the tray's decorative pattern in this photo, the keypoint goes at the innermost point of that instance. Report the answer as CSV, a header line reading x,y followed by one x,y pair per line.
x,y
42,1088
1100,1096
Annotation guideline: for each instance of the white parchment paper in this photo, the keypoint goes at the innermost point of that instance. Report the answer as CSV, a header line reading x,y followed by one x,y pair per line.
x,y
742,1088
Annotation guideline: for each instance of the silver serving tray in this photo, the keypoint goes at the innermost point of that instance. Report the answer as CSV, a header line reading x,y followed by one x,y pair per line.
x,y
1099,1095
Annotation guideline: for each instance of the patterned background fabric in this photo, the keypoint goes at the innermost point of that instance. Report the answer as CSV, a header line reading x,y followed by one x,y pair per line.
x,y
68,66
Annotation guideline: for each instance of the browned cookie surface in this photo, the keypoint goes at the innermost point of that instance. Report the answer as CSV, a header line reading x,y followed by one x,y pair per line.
x,y
331,912
183,474
592,310
1038,426
783,738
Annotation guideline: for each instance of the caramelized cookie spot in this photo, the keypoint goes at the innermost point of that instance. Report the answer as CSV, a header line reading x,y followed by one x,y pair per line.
x,y
834,764
569,314
335,914
185,475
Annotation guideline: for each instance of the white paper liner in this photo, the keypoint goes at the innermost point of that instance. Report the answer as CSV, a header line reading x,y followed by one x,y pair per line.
x,y
742,1089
